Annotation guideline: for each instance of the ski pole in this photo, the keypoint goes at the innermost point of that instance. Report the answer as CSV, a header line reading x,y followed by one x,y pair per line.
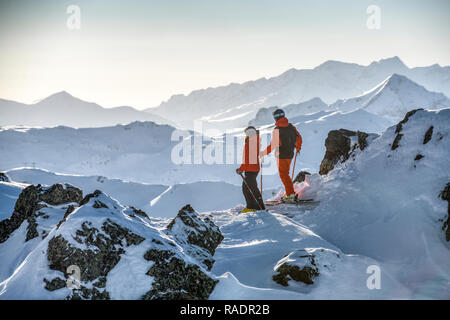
x,y
248,187
262,161
293,169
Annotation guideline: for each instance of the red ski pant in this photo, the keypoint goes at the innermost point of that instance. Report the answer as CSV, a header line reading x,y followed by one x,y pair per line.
x,y
284,166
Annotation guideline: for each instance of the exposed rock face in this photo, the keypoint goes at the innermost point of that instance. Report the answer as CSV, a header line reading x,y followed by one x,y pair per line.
x,y
428,135
96,250
303,265
104,248
93,233
189,228
399,128
301,176
30,201
339,147
4,177
174,277
445,195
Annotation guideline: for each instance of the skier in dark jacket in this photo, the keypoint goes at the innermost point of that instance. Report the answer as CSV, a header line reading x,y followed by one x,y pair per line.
x,y
250,167
285,138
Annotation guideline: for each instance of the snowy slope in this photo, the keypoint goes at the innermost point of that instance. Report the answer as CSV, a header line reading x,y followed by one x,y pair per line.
x,y
155,200
385,204
256,243
138,195
139,151
329,81
63,109
120,254
393,98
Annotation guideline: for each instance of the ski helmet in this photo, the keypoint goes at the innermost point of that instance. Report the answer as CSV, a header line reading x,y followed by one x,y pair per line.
x,y
278,114
250,131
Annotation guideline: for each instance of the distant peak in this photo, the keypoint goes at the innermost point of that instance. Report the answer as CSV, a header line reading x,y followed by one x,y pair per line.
x,y
396,79
61,94
394,61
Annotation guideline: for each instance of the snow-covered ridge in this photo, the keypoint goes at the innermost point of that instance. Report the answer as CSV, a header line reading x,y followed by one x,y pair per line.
x,y
330,81
64,109
117,252
393,98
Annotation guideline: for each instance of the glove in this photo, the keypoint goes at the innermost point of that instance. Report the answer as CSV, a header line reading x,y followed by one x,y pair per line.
x,y
298,152
238,171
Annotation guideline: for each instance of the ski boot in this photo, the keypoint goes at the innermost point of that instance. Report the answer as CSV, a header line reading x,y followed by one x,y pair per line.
x,y
248,210
292,198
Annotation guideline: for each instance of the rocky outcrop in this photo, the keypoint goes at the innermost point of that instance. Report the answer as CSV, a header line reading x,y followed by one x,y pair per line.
x,y
304,265
445,195
91,234
30,201
339,147
395,144
301,176
4,177
174,277
102,253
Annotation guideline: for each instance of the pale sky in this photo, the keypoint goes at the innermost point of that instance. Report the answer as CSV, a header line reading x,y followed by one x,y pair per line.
x,y
139,53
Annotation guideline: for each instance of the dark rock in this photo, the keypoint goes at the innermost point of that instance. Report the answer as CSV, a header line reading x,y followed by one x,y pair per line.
x,y
418,157
139,212
301,176
201,232
4,177
396,142
399,128
55,284
98,204
428,135
88,197
287,272
30,201
338,144
445,195
69,210
103,253
176,279
59,194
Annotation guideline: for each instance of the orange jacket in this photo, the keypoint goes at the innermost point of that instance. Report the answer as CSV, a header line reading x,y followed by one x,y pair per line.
x,y
275,142
250,156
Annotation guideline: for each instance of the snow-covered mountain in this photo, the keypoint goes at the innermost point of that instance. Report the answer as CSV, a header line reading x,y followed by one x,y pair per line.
x,y
329,81
58,244
62,109
393,98
382,208
139,151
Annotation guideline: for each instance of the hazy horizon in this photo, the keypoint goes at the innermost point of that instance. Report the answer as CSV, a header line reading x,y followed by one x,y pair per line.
x,y
140,53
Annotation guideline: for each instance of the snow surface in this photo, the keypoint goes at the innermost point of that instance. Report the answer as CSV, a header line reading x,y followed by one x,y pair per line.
x,y
379,208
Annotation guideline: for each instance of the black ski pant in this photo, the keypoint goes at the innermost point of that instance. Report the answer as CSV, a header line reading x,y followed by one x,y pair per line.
x,y
250,178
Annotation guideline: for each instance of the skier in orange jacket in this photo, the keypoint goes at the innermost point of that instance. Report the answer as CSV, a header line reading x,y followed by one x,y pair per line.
x,y
250,167
285,138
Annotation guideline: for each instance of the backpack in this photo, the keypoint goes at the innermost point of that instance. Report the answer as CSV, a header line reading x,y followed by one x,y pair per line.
x,y
288,137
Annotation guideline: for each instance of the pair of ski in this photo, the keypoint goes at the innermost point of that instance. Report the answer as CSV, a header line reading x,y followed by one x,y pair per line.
x,y
297,202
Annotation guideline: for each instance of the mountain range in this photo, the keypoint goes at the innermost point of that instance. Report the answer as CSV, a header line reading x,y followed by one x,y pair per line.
x,y
64,109
330,81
